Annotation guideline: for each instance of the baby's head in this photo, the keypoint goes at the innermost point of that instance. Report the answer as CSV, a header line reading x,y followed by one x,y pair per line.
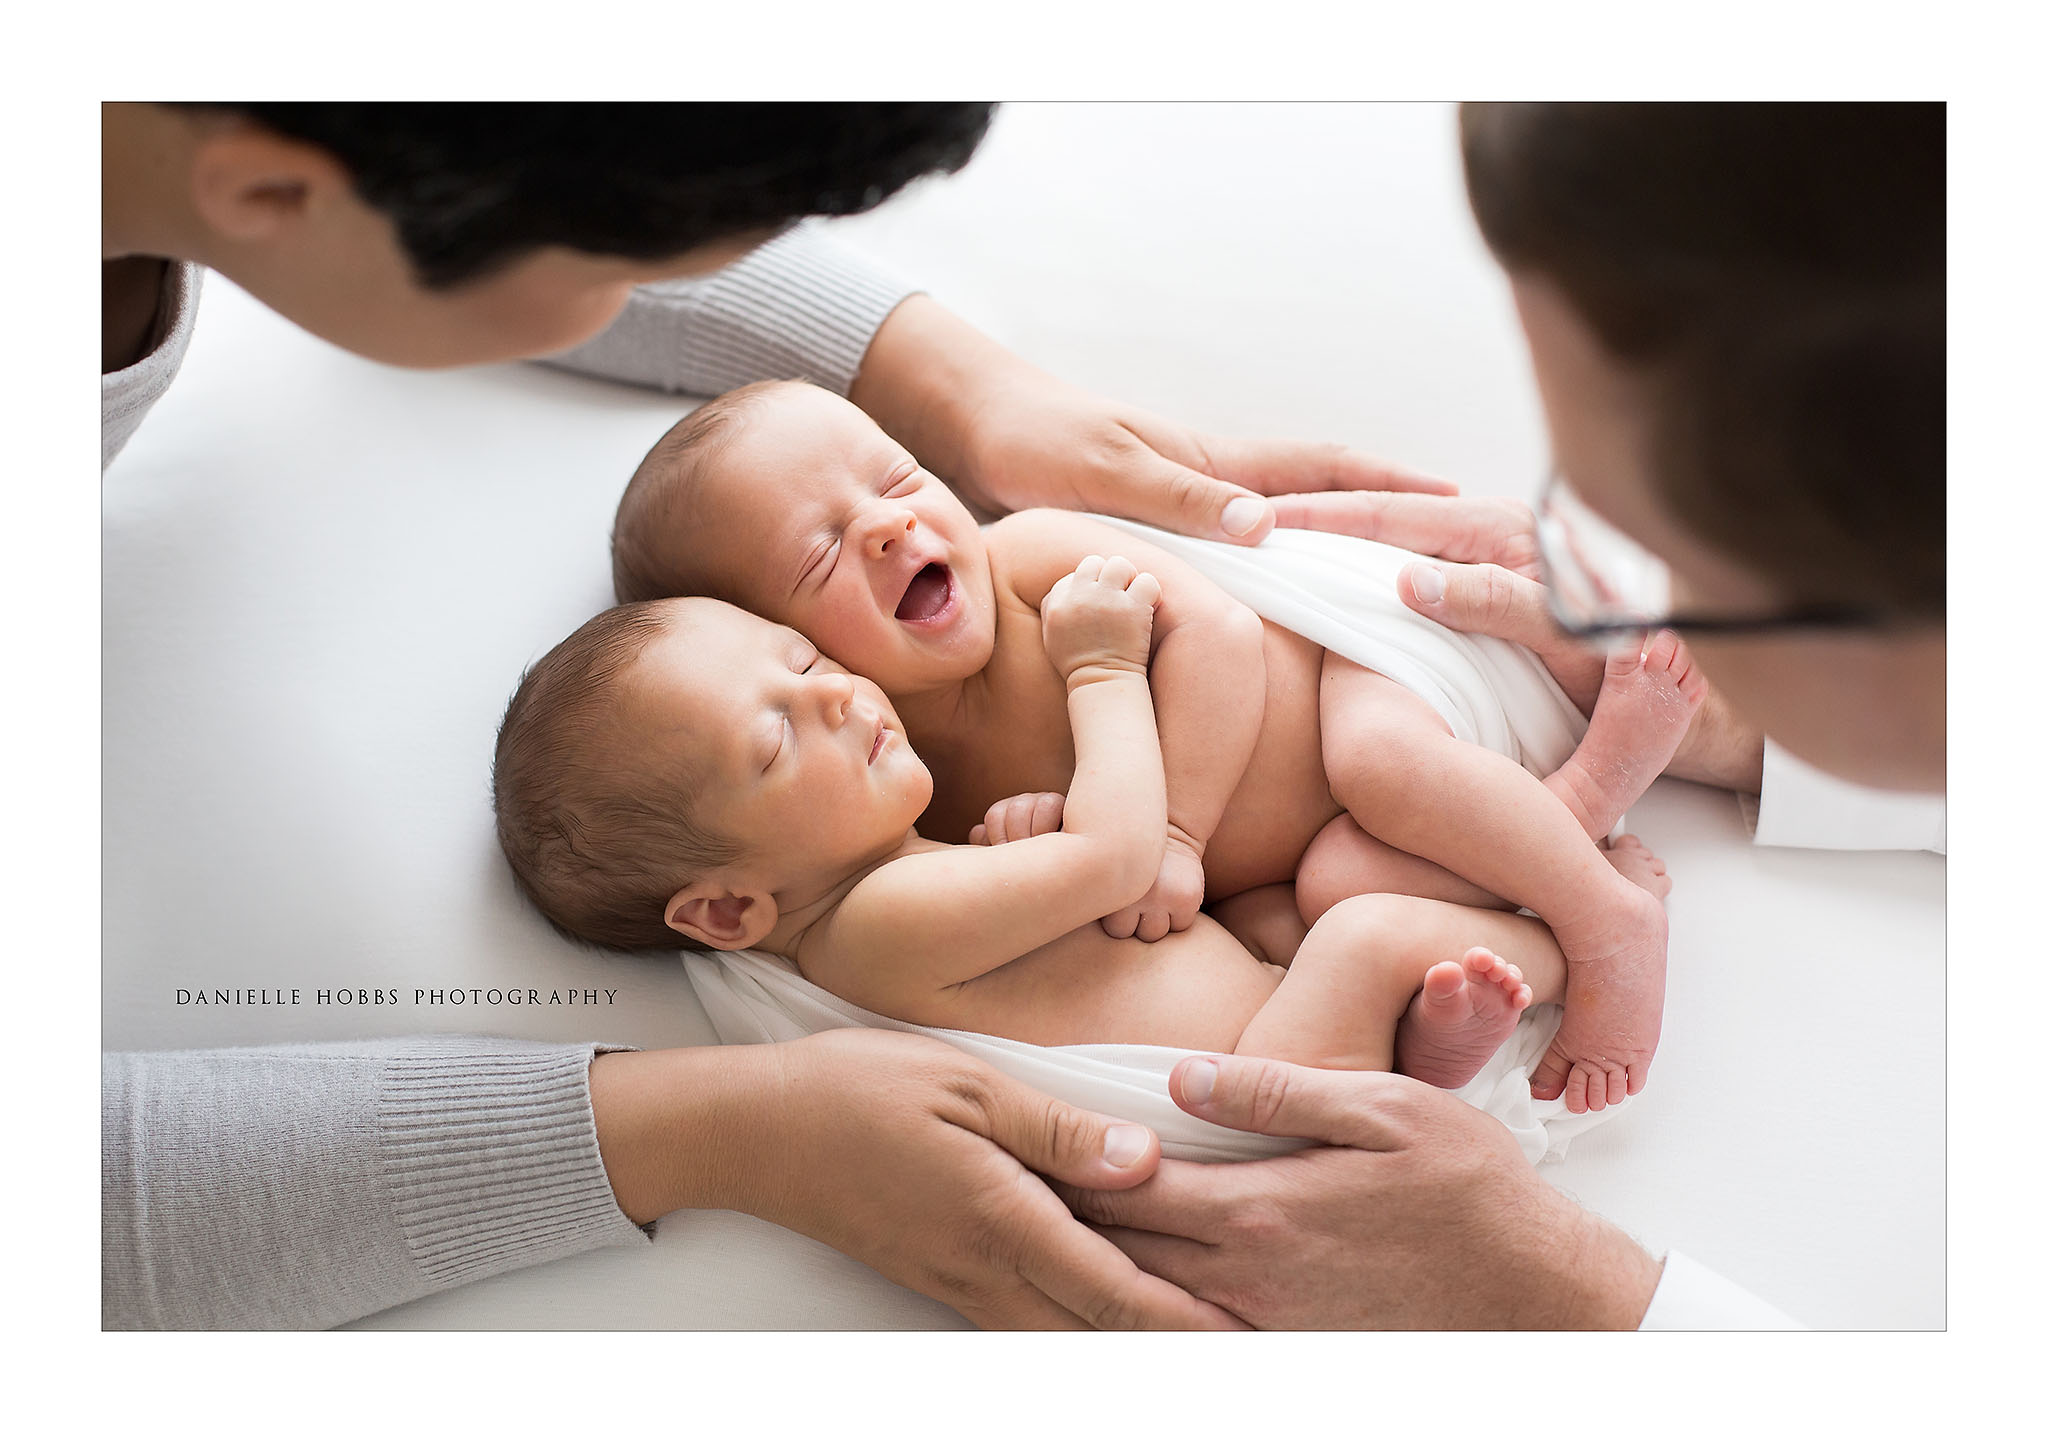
x,y
680,772
790,502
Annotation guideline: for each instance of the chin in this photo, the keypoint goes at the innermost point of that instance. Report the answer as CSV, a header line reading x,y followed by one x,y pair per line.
x,y
1871,710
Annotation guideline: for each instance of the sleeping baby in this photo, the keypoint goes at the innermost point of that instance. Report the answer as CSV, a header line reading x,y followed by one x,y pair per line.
x,y
683,772
1285,763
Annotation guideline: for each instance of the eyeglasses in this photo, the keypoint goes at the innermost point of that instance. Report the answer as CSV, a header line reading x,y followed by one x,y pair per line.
x,y
1604,584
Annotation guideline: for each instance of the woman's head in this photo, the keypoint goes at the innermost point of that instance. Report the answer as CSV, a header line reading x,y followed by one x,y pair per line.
x,y
437,234
1737,319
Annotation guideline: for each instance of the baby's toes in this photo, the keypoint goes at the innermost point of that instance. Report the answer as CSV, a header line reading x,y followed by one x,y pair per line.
x,y
1664,651
1481,963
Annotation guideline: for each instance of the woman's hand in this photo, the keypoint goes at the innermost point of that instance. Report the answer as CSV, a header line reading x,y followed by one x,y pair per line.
x,y
1418,1212
902,1152
1010,436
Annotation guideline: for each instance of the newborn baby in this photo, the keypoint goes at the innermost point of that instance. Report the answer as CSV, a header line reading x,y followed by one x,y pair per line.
x,y
684,772
1284,762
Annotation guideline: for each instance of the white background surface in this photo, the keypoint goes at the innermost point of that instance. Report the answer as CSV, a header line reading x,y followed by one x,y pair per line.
x,y
322,579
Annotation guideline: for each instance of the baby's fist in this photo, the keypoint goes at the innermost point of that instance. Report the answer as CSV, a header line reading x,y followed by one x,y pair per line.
x,y
1099,618
1019,818
1173,902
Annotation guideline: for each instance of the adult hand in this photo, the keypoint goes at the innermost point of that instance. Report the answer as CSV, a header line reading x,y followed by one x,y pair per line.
x,y
1420,1213
1494,530
1494,599
902,1152
1010,436
1489,585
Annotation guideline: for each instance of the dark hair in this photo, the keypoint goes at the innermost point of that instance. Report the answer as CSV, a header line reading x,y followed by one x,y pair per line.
x,y
472,187
1778,273
595,841
652,551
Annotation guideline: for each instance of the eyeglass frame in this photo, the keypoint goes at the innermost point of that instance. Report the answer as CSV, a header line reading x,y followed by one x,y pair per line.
x,y
1822,615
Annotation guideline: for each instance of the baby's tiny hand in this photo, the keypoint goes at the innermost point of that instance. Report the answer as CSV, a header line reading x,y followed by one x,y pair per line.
x,y
1098,618
1018,818
1174,900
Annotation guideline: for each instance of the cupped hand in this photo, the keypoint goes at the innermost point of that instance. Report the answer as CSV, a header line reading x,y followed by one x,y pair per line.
x,y
1495,598
919,1161
1011,436
1048,444
1459,529
1416,1211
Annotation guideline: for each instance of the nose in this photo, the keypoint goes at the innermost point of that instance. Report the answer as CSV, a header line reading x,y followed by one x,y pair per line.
x,y
890,525
835,698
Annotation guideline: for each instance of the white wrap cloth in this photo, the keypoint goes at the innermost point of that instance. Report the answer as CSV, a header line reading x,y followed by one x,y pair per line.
x,y
1335,591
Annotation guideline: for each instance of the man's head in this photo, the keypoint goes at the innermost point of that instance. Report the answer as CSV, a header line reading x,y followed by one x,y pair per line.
x,y
436,234
1737,320
790,502
680,773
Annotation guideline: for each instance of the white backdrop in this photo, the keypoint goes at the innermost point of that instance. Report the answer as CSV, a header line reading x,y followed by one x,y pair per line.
x,y
323,577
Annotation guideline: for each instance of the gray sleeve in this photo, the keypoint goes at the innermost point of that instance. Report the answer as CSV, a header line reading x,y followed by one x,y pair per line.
x,y
800,306
301,1186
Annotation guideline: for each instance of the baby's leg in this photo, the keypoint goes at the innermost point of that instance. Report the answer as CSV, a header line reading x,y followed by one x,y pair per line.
x,y
1345,861
1356,976
1265,922
1647,701
1409,783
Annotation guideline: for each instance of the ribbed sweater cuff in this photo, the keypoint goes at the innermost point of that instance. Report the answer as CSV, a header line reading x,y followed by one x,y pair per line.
x,y
800,306
489,1151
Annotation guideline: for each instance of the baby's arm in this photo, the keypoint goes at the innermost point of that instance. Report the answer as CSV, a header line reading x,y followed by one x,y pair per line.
x,y
1208,684
939,918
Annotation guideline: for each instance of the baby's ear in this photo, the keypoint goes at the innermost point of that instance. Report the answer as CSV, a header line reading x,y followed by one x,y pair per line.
x,y
721,917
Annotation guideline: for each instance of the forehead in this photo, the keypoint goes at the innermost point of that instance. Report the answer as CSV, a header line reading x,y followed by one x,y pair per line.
x,y
711,646
791,448
788,472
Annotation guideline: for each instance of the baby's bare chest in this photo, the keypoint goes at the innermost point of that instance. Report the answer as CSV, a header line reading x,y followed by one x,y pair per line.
x,y
1011,736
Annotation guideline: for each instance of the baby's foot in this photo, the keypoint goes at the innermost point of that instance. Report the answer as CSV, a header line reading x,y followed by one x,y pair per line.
x,y
1459,1017
1614,992
1628,855
1647,701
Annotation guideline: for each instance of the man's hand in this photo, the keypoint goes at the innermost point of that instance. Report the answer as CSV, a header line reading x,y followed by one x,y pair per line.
x,y
1009,436
1496,530
1421,1213
1720,747
1175,898
902,1152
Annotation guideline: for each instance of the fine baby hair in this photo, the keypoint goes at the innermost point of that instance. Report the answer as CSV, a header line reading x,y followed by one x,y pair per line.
x,y
597,835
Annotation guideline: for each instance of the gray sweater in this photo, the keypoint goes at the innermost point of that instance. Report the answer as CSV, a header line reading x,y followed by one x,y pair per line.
x,y
301,1186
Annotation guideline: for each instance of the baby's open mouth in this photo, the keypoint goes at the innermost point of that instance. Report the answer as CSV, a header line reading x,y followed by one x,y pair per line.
x,y
929,594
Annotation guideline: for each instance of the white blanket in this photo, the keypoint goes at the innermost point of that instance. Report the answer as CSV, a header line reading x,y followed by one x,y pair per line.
x,y
1338,592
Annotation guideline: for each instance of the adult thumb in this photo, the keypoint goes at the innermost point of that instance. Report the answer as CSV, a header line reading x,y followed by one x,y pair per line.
x,y
1485,599
1063,1142
1181,499
1347,1107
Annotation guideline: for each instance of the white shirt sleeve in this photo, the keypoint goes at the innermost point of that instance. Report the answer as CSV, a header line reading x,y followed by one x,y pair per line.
x,y
1691,1296
1802,805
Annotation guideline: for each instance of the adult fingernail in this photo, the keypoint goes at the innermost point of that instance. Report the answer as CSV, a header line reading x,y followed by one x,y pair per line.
x,y
1241,515
1124,1145
1198,1081
1428,583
